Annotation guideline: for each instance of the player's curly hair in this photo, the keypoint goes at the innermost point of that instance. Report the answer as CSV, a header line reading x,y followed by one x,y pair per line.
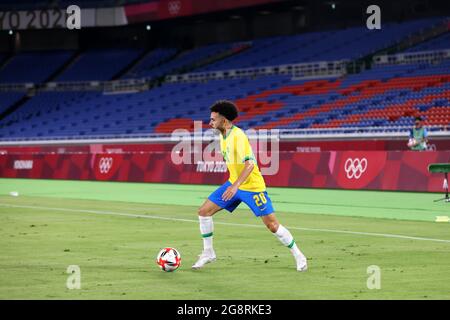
x,y
225,108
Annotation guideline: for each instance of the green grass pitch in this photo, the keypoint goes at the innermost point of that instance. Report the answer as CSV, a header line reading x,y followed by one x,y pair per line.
x,y
113,232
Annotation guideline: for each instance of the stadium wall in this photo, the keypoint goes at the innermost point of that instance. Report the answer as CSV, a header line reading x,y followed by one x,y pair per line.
x,y
363,169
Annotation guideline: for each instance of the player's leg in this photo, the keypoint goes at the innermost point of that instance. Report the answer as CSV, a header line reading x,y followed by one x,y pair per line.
x,y
208,209
213,204
286,239
205,217
205,213
261,205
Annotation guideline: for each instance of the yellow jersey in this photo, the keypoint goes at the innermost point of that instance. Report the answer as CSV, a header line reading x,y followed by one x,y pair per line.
x,y
236,149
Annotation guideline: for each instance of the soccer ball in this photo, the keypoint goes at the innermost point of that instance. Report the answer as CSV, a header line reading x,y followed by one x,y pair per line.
x,y
168,259
412,142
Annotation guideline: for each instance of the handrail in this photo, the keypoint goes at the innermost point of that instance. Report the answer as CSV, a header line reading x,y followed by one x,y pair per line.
x,y
429,56
297,70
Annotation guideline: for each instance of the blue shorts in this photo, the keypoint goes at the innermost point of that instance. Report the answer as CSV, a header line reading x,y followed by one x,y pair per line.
x,y
259,202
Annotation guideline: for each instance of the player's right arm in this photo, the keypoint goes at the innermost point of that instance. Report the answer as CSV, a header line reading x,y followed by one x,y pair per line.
x,y
231,190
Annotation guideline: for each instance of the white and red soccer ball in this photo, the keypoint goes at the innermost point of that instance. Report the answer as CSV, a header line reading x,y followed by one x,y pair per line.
x,y
168,259
412,143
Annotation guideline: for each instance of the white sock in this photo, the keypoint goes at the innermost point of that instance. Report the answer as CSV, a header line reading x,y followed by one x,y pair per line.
x,y
287,239
206,230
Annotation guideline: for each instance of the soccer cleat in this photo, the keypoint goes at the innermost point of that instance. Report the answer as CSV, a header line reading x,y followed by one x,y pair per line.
x,y
203,259
302,264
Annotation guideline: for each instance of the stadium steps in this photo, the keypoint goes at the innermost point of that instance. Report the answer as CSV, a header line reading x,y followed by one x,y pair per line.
x,y
63,68
210,60
132,64
192,66
6,60
161,79
434,32
219,57
14,107
439,42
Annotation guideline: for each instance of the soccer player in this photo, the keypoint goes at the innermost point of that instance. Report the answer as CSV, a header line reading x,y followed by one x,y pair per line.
x,y
245,184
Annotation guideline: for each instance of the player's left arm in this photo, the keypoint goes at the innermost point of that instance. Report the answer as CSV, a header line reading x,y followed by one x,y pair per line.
x,y
231,190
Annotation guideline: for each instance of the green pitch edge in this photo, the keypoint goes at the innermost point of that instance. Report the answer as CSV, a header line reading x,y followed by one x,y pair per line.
x,y
375,204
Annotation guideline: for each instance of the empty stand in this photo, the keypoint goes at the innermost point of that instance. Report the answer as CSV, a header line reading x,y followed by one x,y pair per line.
x,y
386,96
351,43
439,43
100,64
33,67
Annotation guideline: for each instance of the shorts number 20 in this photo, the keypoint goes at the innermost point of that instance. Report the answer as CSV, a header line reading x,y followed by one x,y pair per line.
x,y
260,199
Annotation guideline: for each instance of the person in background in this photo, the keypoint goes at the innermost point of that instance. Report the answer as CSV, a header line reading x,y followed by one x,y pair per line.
x,y
418,136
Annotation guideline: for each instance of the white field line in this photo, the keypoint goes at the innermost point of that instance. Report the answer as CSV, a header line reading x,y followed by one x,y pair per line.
x,y
132,215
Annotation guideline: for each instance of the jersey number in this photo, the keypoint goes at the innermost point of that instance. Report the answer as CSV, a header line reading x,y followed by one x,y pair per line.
x,y
260,198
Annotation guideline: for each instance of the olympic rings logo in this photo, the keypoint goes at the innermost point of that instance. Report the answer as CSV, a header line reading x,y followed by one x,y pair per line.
x,y
105,164
354,168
